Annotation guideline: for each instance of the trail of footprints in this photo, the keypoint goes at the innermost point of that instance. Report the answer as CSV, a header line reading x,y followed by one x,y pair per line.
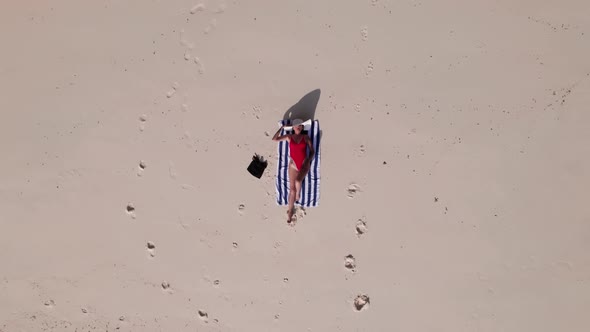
x,y
165,285
209,28
361,301
142,165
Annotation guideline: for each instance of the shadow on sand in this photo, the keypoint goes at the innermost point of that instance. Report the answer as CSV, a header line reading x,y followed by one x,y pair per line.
x,y
305,108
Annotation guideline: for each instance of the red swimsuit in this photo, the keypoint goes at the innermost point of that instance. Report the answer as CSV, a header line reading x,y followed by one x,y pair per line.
x,y
298,151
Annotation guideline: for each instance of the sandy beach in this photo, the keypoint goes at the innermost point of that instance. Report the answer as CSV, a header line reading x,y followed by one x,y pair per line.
x,y
454,165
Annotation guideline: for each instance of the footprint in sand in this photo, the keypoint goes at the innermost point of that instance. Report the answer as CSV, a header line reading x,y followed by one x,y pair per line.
x,y
220,9
257,112
187,186
200,66
352,190
198,8
365,33
185,42
141,167
216,282
187,137
211,26
49,304
361,150
241,208
299,214
350,263
172,91
361,227
165,285
203,315
142,121
187,55
130,209
361,302
369,69
172,171
151,248
235,245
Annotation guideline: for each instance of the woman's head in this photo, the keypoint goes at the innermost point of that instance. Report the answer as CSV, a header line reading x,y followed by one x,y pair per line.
x,y
297,126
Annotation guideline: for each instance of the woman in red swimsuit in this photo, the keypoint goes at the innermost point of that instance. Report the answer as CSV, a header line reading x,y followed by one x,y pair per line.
x,y
299,161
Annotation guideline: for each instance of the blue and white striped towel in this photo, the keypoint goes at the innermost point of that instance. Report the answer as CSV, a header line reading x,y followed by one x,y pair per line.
x,y
310,187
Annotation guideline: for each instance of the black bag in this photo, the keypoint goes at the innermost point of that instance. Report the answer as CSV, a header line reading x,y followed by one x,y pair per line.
x,y
257,166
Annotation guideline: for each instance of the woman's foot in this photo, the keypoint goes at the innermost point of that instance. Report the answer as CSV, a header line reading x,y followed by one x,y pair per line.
x,y
290,216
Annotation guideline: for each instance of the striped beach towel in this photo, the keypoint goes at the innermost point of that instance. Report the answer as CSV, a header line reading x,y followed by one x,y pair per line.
x,y
310,187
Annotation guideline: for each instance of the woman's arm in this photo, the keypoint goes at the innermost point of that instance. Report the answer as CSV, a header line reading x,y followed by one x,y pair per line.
x,y
311,154
278,138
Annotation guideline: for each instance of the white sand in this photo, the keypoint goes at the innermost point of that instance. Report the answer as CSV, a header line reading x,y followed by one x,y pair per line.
x,y
481,104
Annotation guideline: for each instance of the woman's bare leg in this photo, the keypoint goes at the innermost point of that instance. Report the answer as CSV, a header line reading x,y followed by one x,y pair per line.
x,y
300,176
297,190
292,191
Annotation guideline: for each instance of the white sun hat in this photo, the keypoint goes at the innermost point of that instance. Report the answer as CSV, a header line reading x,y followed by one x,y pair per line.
x,y
297,122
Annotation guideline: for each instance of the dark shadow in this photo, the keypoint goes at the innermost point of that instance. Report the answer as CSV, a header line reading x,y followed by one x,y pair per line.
x,y
305,108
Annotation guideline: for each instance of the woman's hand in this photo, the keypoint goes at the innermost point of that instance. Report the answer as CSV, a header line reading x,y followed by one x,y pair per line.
x,y
277,136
